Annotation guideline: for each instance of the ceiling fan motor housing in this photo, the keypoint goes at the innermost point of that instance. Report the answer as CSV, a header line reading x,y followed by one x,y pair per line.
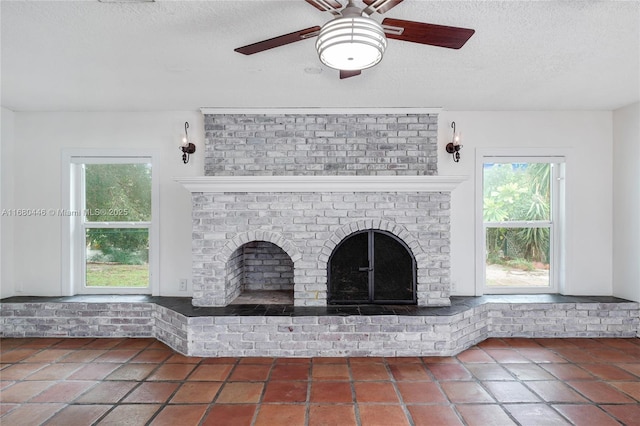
x,y
351,43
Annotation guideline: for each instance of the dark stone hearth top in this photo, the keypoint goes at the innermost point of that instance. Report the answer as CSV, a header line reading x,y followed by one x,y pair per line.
x,y
182,305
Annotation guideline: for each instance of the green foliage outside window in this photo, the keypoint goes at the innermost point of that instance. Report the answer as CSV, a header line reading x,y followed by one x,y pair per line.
x,y
118,193
517,192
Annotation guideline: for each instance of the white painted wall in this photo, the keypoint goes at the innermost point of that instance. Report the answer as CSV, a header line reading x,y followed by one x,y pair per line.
x,y
626,202
588,136
7,159
42,136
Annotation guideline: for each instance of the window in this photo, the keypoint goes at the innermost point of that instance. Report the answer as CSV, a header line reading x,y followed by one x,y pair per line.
x,y
112,224
520,233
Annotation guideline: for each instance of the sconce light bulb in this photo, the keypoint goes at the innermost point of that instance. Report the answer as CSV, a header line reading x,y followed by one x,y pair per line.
x,y
454,146
184,140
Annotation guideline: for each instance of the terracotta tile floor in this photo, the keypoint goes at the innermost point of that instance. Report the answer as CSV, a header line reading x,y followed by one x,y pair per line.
x,y
498,382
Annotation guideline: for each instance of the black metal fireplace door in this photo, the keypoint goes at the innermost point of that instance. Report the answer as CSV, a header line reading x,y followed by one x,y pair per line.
x,y
372,266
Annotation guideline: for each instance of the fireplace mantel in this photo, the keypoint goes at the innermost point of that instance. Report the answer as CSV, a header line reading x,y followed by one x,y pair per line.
x,y
218,184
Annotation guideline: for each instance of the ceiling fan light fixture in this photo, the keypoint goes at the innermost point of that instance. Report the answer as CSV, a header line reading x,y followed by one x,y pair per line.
x,y
351,43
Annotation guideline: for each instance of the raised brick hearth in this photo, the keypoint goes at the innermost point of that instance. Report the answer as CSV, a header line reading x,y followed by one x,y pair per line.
x,y
287,331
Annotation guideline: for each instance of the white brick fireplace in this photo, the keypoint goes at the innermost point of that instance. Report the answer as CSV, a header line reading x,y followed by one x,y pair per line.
x,y
282,190
307,217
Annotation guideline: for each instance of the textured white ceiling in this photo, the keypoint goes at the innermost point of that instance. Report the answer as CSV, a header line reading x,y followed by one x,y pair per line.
x,y
178,55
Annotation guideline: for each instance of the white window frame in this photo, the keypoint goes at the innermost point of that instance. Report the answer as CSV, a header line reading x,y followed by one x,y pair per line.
x,y
73,251
559,159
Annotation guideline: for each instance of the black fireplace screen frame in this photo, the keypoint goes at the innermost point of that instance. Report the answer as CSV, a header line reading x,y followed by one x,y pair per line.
x,y
333,296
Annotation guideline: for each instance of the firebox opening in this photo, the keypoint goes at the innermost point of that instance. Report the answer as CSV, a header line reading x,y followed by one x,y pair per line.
x,y
372,266
260,272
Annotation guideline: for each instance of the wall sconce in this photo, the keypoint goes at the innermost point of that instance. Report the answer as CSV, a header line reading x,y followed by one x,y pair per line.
x,y
454,146
187,147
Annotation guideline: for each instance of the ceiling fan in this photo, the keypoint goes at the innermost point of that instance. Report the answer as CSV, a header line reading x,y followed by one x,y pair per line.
x,y
352,41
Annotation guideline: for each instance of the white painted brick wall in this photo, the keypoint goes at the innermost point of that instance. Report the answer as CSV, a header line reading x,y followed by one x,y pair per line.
x,y
320,144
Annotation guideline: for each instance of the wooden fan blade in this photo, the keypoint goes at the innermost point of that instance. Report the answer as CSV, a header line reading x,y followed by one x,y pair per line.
x,y
331,6
346,74
434,35
380,6
260,46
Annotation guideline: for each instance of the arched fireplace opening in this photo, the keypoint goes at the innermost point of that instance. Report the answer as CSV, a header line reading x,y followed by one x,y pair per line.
x,y
260,272
372,266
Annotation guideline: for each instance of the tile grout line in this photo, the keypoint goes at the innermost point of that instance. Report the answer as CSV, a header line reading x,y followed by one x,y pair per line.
x,y
352,385
264,390
394,383
308,399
